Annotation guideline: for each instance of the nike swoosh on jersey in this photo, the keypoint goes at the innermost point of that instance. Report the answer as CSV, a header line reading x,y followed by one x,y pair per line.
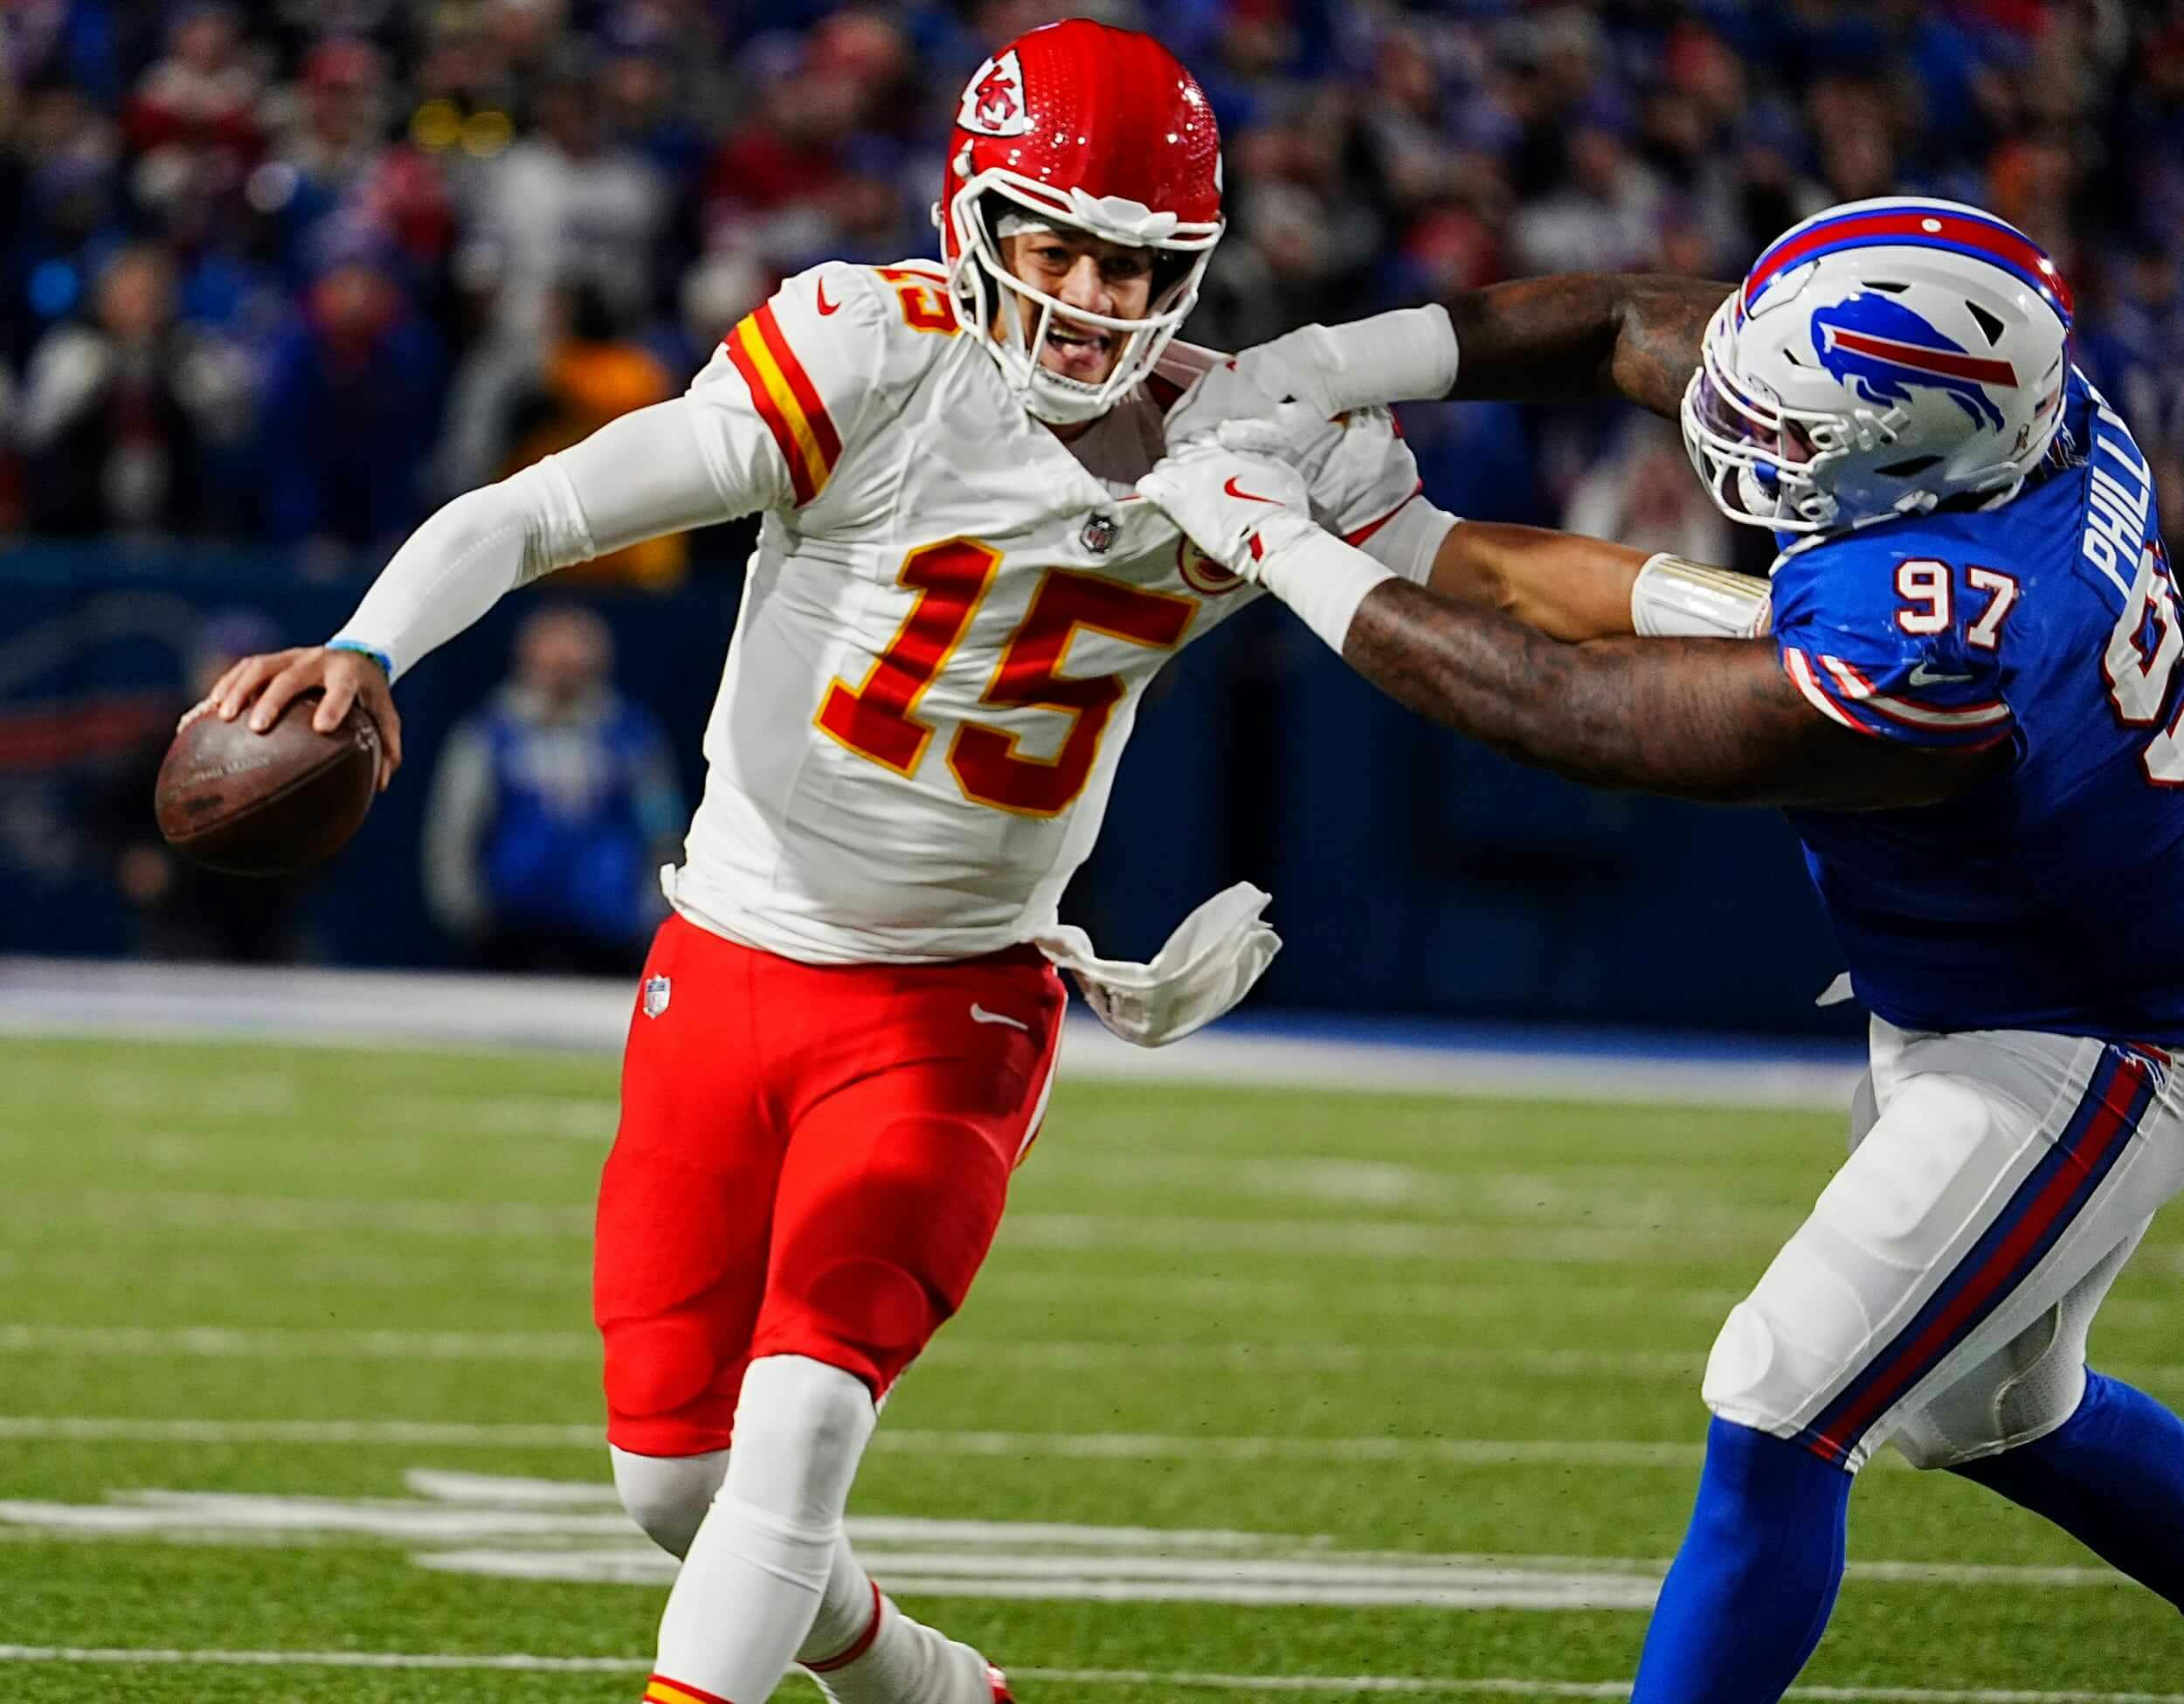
x,y
980,1015
824,305
1235,490
1923,676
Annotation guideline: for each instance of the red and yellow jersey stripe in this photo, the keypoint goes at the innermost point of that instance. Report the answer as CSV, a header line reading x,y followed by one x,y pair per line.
x,y
788,402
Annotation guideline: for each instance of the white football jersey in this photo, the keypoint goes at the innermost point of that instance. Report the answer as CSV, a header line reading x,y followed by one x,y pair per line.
x,y
947,625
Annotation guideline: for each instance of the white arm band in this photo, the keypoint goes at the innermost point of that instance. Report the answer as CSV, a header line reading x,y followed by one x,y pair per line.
x,y
634,479
1317,575
1673,599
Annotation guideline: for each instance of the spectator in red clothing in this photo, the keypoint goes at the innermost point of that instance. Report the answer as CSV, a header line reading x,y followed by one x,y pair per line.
x,y
788,151
196,111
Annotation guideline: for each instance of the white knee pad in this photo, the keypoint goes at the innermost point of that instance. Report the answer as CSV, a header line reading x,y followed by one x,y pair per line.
x,y
2022,1391
801,1427
1813,1317
668,1495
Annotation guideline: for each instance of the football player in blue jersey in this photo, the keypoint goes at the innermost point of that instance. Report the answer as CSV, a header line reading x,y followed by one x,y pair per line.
x,y
1969,706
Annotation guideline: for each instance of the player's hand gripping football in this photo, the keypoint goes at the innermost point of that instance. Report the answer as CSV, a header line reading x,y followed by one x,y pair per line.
x,y
263,685
1237,508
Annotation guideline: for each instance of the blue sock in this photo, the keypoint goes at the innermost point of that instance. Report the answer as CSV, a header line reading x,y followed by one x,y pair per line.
x,y
2111,1476
1750,1590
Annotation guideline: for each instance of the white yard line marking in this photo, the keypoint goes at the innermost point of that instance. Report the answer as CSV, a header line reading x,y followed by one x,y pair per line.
x,y
192,1210
1286,1359
1121,1447
585,1519
961,1354
1147,1446
1022,1578
122,1656
80,1429
1310,1685
1160,1293
574,1532
276,1343
1575,1240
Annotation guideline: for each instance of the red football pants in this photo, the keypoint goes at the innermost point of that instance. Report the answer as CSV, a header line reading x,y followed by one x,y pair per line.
x,y
811,1160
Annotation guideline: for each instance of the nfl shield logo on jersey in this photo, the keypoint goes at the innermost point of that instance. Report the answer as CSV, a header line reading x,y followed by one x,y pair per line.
x,y
1100,534
657,990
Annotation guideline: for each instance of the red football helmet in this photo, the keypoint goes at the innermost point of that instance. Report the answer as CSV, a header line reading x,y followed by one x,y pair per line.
x,y
1099,129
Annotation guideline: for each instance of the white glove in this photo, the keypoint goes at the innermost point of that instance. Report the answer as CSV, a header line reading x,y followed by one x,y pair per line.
x,y
1209,964
1253,517
1407,356
1235,507
1293,434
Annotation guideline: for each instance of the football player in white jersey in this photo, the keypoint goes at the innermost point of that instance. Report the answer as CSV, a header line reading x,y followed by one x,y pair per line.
x,y
844,1038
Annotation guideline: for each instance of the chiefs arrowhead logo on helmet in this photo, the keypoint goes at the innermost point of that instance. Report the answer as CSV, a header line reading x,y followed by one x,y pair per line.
x,y
993,102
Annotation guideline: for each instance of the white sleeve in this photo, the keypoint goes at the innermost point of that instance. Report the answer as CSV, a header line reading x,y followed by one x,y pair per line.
x,y
761,427
636,477
1408,541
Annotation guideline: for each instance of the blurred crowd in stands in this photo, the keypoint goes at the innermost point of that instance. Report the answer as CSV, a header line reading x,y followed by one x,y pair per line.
x,y
292,271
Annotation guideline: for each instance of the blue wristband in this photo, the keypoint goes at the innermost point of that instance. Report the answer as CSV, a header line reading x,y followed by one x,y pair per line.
x,y
385,662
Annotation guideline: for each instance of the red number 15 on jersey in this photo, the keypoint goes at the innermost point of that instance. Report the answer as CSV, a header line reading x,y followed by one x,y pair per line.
x,y
878,720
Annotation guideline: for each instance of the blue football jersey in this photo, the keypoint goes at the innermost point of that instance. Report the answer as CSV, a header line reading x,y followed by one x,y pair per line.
x,y
2049,897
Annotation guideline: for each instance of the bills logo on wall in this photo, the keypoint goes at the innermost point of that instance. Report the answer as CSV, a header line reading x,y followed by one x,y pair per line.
x,y
994,101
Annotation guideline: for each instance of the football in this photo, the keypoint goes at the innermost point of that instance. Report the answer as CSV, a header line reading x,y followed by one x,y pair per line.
x,y
263,804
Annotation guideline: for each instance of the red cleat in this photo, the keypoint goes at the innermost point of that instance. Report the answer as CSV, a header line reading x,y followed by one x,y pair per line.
x,y
1001,1684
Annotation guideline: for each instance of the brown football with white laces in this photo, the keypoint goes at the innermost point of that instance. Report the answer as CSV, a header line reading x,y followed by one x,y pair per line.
x,y
265,804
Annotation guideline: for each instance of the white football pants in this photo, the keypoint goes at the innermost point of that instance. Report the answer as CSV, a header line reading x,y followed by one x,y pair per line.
x,y
1940,1292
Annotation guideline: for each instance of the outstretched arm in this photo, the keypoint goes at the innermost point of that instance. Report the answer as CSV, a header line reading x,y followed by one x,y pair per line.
x,y
1566,338
1572,588
1716,720
1582,334
1711,719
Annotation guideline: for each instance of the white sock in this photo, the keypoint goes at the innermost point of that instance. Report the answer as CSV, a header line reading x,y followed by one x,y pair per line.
x,y
756,1572
863,1650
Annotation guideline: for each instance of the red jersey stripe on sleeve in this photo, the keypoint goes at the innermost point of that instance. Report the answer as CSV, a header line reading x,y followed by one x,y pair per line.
x,y
800,385
768,388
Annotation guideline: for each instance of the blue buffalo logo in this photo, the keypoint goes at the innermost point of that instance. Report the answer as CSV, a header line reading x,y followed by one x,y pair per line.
x,y
1880,349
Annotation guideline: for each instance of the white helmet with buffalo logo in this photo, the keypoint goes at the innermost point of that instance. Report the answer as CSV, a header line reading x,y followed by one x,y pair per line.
x,y
1880,358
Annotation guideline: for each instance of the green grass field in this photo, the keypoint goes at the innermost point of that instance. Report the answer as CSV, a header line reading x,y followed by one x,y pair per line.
x,y
296,1353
